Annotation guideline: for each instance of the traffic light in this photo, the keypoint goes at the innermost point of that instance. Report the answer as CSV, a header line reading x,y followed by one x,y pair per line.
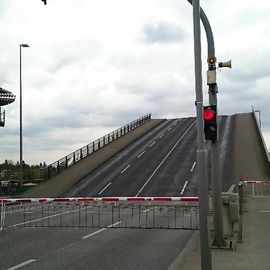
x,y
44,1
210,122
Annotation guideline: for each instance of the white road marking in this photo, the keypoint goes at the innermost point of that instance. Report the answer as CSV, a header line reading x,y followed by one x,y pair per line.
x,y
184,187
193,166
101,230
154,172
264,211
161,135
169,128
147,210
21,264
152,144
140,154
126,168
105,188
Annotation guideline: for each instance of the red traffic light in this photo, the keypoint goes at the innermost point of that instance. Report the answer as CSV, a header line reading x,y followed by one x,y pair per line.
x,y
208,114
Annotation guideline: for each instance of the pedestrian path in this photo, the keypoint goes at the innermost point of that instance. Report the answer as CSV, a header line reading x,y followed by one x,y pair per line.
x,y
253,253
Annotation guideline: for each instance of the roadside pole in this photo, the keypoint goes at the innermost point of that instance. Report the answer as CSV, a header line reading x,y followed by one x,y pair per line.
x,y
218,238
206,259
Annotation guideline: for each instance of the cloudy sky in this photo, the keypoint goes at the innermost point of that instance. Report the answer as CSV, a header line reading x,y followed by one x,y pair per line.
x,y
94,65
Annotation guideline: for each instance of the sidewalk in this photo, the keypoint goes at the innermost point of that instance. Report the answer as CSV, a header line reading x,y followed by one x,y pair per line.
x,y
253,253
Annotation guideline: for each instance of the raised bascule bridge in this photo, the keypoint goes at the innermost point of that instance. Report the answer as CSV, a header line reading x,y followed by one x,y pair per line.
x,y
131,192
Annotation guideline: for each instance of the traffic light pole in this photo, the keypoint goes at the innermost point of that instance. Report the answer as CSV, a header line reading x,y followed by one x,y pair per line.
x,y
214,151
218,240
206,259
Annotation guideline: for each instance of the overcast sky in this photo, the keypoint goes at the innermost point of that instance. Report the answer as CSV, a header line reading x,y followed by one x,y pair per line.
x,y
94,65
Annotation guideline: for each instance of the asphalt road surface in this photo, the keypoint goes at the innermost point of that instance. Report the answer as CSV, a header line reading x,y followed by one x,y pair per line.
x,y
162,163
158,164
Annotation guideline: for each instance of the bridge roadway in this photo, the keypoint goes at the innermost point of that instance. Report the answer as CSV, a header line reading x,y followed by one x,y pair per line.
x,y
158,164
162,163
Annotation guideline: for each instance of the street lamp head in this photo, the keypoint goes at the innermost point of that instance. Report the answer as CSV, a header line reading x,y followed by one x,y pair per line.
x,y
24,45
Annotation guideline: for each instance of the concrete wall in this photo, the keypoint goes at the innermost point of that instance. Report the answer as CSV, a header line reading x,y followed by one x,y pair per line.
x,y
62,182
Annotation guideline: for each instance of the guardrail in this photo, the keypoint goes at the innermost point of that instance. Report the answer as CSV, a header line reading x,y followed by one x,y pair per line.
x,y
233,201
253,188
115,212
258,123
87,150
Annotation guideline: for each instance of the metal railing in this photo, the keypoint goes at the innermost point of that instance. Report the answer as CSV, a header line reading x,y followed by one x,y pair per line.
x,y
139,214
87,150
255,188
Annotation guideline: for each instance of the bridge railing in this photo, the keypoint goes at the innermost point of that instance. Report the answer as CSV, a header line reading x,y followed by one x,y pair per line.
x,y
140,213
253,188
258,124
69,160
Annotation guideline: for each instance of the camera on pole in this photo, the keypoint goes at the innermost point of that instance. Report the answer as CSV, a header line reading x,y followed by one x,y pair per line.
x,y
210,122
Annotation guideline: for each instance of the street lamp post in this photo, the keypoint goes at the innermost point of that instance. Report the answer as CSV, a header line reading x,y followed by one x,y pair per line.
x,y
21,135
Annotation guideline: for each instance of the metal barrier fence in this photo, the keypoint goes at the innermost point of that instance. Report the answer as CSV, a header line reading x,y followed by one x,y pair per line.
x,y
256,188
67,161
141,213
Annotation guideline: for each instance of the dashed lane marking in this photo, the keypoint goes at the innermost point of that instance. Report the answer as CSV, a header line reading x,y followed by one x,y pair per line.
x,y
105,188
101,230
152,144
193,166
160,164
184,187
22,264
147,210
140,154
126,168
161,135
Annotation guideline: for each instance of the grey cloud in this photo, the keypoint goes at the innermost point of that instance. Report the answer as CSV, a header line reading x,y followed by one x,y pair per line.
x,y
249,66
78,51
250,16
163,32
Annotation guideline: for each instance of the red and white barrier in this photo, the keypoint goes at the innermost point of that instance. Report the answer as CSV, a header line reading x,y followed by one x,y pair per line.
x,y
256,182
101,199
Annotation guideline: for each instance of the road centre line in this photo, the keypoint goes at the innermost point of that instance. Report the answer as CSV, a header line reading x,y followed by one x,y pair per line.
x,y
126,168
140,154
101,230
161,135
152,143
105,188
193,166
154,172
184,187
22,264
169,128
